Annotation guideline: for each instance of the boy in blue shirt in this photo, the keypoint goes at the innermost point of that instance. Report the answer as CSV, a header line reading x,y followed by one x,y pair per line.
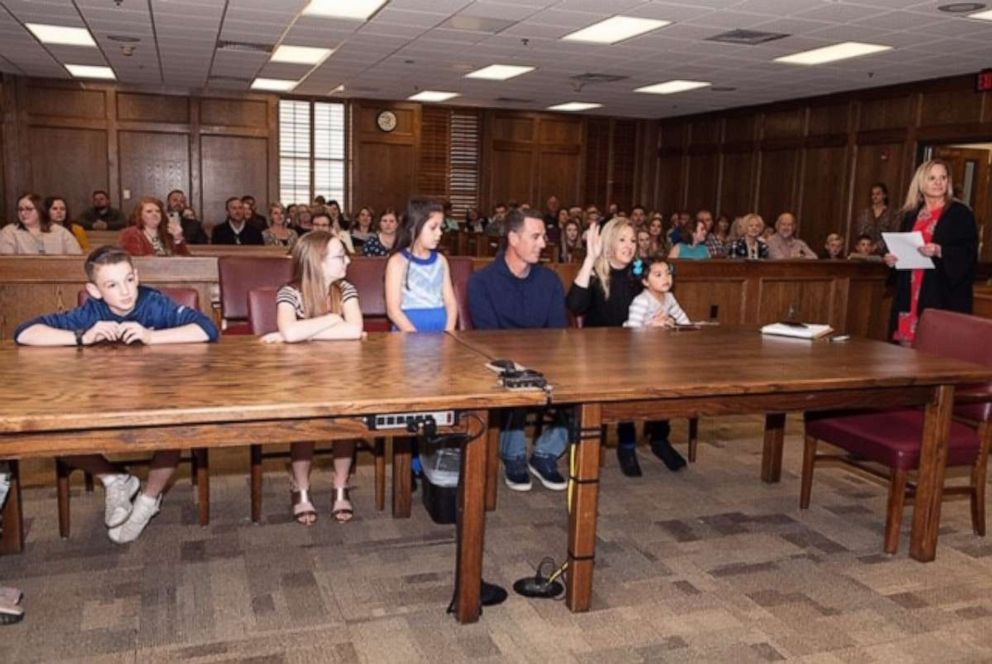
x,y
119,309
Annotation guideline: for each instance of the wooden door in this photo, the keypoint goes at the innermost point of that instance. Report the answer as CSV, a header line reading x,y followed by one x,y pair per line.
x,y
970,174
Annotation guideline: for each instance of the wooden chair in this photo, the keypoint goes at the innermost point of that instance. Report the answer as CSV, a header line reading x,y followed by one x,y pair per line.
x,y
198,458
893,438
238,275
262,320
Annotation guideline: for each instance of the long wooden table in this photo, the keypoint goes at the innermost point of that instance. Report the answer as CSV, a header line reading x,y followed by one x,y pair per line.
x,y
115,399
615,375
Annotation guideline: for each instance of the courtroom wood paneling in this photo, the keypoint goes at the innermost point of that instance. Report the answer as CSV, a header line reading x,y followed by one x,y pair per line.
x,y
704,179
824,200
739,128
736,196
152,108
879,163
232,166
152,164
813,300
234,112
385,163
886,113
706,132
512,175
560,131
719,299
557,174
76,163
828,119
597,171
777,183
670,184
950,107
783,124
514,128
623,166
66,103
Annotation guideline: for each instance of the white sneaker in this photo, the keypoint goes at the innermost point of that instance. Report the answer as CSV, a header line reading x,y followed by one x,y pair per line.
x,y
119,492
144,509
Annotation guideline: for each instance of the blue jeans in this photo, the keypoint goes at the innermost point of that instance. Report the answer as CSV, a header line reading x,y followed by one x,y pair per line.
x,y
655,429
513,440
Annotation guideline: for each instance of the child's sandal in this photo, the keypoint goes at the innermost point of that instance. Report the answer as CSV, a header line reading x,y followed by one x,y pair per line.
x,y
342,514
303,510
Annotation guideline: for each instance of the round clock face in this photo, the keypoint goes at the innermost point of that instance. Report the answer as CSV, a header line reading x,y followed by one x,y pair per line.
x,y
386,120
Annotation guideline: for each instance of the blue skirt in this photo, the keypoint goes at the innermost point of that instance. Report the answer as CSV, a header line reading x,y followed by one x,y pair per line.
x,y
428,320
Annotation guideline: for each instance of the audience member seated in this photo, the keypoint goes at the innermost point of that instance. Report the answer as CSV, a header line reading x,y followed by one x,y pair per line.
x,y
721,233
364,226
322,221
645,247
338,222
656,230
516,292
695,248
147,236
833,249
551,215
571,249
591,217
34,232
234,229
102,217
638,217
784,244
178,209
714,243
119,309
864,249
318,304
603,290
877,218
304,220
496,225
278,234
58,213
450,224
750,245
382,243
474,222
252,217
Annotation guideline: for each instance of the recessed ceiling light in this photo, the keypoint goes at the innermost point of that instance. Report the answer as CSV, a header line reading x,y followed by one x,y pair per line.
x,y
60,34
615,29
574,106
433,95
671,87
982,16
339,88
89,71
274,84
358,10
961,7
842,51
301,55
499,72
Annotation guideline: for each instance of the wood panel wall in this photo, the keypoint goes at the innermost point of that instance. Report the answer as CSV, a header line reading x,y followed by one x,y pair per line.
x,y
817,157
62,138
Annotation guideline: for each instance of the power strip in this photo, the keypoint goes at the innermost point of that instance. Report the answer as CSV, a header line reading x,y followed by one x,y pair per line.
x,y
442,418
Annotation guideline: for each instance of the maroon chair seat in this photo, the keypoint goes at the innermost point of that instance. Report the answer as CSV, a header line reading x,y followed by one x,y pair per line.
x,y
894,437
461,269
891,438
238,275
262,310
368,275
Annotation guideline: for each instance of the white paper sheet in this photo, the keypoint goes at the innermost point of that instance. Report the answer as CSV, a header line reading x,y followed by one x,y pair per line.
x,y
806,331
906,247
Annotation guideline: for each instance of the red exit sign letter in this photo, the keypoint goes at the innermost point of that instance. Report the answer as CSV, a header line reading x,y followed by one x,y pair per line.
x,y
985,81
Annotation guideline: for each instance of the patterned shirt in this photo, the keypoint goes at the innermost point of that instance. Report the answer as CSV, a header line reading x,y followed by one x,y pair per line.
x,y
646,306
715,246
374,247
423,286
294,297
739,248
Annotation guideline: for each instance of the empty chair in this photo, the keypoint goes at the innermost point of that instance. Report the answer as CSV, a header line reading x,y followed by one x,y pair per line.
x,y
893,438
238,275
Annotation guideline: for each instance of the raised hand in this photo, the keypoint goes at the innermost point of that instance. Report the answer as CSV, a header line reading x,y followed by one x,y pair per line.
x,y
594,243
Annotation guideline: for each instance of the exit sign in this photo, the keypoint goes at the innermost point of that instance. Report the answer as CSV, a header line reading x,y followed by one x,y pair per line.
x,y
985,81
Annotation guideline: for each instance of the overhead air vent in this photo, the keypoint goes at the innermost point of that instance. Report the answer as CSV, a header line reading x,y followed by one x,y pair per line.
x,y
586,79
747,37
243,47
478,24
230,79
513,100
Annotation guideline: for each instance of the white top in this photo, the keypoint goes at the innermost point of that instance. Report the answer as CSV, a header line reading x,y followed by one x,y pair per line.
x,y
646,306
57,241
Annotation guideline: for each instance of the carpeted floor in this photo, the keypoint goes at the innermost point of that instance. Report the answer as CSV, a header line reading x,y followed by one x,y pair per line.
x,y
709,565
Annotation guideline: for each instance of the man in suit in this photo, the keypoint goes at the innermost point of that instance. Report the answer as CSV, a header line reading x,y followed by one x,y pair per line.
x,y
234,229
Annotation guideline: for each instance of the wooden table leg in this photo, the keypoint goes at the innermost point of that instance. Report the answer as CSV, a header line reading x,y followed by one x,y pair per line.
x,y
379,449
401,477
771,455
256,483
693,438
471,526
930,480
13,520
492,460
202,475
584,500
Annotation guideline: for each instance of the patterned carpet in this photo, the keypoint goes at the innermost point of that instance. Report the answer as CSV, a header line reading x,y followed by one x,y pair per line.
x,y
709,565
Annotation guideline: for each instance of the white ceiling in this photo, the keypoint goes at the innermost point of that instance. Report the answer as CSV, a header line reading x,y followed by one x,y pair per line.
x,y
403,48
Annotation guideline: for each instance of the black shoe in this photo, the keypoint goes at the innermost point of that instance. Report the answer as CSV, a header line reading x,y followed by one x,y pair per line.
x,y
668,455
491,594
627,456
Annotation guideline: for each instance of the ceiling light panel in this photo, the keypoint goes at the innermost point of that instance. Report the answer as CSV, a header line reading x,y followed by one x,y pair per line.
x,y
574,106
300,55
982,16
842,51
357,10
615,29
499,72
60,34
671,87
89,71
273,84
433,96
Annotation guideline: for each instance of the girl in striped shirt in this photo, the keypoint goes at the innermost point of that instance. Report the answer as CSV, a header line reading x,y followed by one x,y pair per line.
x,y
655,306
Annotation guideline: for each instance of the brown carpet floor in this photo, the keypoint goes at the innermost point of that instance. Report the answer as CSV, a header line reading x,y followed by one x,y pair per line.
x,y
708,565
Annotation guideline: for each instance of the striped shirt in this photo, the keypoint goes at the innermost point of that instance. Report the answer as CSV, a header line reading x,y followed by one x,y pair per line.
x,y
646,306
292,296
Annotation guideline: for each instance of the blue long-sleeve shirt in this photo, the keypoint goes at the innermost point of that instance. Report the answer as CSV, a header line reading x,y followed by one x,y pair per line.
x,y
500,300
152,310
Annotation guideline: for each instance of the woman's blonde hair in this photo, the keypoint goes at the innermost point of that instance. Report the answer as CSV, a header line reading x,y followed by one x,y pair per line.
x,y
914,197
609,237
308,274
747,219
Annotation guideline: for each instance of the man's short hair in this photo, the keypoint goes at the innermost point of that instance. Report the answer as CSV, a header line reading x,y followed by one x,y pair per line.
x,y
105,255
174,191
228,201
517,217
864,236
247,197
638,207
99,191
